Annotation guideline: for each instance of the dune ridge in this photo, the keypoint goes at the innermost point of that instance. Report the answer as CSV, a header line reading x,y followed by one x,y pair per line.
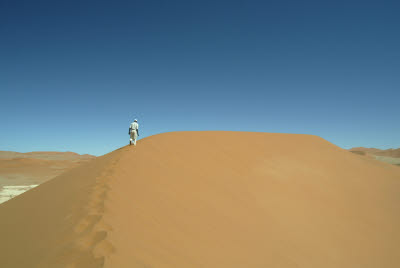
x,y
59,223
211,199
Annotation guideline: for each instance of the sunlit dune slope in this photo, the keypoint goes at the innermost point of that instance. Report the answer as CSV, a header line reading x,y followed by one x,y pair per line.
x,y
211,199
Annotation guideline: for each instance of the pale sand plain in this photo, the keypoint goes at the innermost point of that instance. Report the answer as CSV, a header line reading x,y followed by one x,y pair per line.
x,y
211,199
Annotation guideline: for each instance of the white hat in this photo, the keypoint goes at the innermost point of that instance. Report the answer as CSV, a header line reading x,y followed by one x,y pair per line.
x,y
135,120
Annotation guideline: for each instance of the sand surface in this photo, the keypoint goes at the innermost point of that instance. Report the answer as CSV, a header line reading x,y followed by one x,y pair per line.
x,y
211,199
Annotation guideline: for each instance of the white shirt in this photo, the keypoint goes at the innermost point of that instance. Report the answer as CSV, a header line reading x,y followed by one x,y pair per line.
x,y
135,126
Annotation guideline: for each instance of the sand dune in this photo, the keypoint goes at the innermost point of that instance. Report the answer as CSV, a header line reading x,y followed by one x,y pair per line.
x,y
211,199
46,155
391,156
395,153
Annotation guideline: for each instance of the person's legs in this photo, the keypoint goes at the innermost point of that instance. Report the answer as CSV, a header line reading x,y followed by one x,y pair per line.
x,y
135,137
132,138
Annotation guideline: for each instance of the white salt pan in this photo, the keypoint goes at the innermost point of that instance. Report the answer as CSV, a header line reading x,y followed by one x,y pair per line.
x,y
8,192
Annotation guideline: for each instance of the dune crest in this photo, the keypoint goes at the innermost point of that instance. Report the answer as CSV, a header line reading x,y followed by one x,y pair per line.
x,y
211,199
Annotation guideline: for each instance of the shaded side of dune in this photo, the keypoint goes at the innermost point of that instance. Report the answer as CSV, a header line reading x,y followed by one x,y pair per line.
x,y
58,223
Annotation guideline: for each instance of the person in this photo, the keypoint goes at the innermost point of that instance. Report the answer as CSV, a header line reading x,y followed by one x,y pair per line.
x,y
133,132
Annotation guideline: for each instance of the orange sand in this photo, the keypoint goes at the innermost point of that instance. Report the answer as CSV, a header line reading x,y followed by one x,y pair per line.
x,y
211,199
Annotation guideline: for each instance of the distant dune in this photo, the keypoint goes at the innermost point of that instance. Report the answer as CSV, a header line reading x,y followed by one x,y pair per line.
x,y
46,155
374,151
391,156
36,167
211,199
27,169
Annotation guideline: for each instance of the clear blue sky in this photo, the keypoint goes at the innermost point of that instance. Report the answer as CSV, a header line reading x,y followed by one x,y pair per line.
x,y
74,74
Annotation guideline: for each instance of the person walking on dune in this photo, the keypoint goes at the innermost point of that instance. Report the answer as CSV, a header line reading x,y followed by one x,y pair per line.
x,y
133,132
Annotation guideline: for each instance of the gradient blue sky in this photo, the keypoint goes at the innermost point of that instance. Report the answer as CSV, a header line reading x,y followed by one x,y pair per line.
x,y
74,74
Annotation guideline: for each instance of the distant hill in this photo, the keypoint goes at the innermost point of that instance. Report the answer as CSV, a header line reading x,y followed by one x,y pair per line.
x,y
391,156
374,151
46,155
36,167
